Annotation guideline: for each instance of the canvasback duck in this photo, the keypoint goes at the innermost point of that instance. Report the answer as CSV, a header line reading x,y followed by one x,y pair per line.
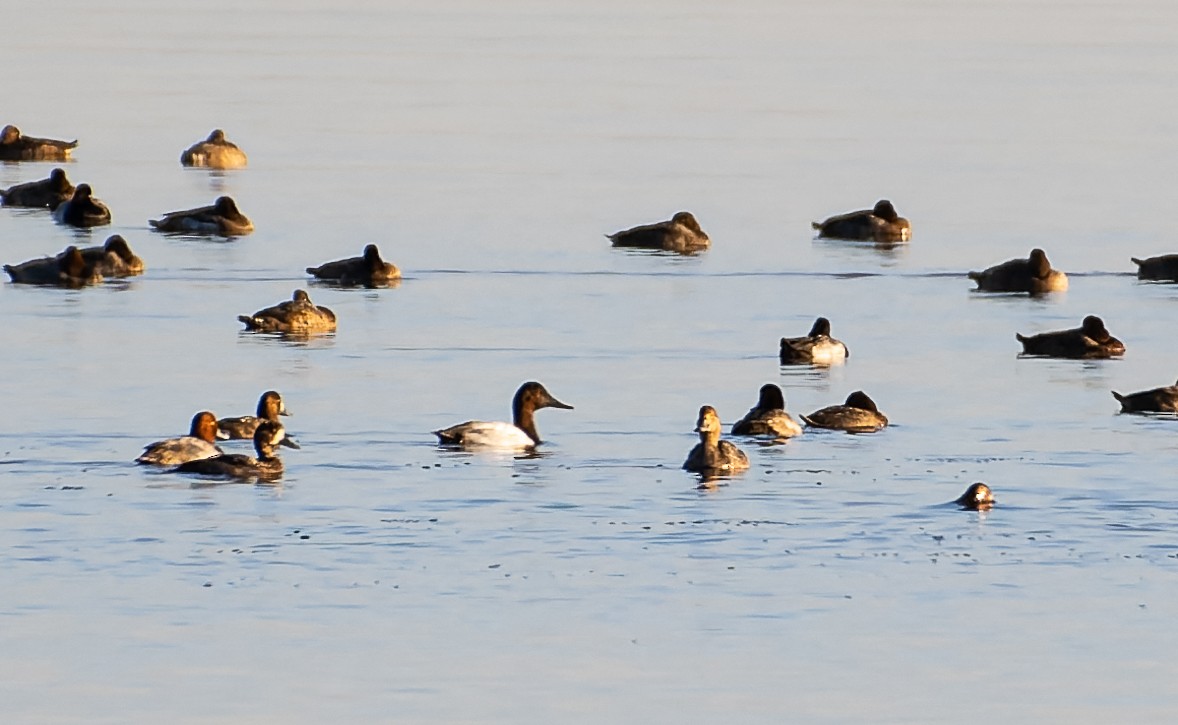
x,y
681,234
1090,340
369,270
1163,268
266,466
768,417
68,269
82,210
1158,400
817,348
223,218
711,455
215,152
297,315
199,443
858,414
520,433
1033,274
978,497
51,192
15,146
114,258
878,224
270,406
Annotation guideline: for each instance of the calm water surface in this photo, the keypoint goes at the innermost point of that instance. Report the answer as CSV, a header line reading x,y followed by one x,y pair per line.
x,y
487,150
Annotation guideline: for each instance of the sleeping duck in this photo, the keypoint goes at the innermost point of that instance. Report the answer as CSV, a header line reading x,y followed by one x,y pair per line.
x,y
681,234
1090,340
816,348
878,224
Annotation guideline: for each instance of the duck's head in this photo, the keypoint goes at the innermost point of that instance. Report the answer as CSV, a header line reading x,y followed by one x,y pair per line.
x,y
204,426
977,497
372,260
82,192
269,435
859,399
1040,267
58,180
1094,327
708,421
535,396
9,134
688,220
217,136
226,207
771,397
119,246
270,405
300,295
884,210
71,263
821,327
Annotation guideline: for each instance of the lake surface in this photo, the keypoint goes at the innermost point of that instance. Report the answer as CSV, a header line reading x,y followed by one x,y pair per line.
x,y
487,149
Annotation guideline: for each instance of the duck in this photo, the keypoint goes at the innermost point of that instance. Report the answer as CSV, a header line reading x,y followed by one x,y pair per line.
x,y
114,258
223,218
858,414
1090,340
978,497
51,192
298,315
1033,274
880,224
266,466
82,210
199,443
768,417
1164,268
215,152
816,348
519,434
1158,400
270,406
14,146
68,269
681,234
369,270
712,455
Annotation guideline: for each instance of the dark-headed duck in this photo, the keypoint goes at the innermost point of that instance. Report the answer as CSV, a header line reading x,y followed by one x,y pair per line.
x,y
878,224
858,414
520,433
82,210
199,443
1163,268
14,146
51,192
68,269
369,270
680,234
1033,274
223,218
978,497
768,417
114,258
297,315
215,152
1090,340
270,406
817,348
265,467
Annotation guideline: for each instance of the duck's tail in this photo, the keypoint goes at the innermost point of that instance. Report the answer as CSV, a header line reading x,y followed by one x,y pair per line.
x,y
1136,261
816,225
1120,398
976,276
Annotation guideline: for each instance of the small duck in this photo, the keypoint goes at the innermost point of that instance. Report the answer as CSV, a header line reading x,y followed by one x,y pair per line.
x,y
298,315
1090,340
712,455
817,348
369,270
266,467
1158,400
879,224
978,497
215,152
82,210
1033,274
114,258
68,269
222,218
768,417
1164,268
270,406
51,192
199,443
519,434
858,414
681,234
17,147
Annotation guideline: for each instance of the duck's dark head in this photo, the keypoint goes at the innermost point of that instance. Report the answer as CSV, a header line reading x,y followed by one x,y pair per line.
x,y
226,207
204,426
82,192
217,136
821,327
977,497
884,210
1094,327
270,405
1040,267
269,435
859,399
9,134
688,220
771,397
58,181
300,295
119,246
535,396
71,263
372,260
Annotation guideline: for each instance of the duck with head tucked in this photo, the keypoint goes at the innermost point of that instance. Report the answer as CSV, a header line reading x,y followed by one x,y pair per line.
x,y
711,455
519,434
1033,274
1090,340
681,234
223,219
879,224
1163,268
369,270
265,467
215,152
297,315
15,146
82,210
768,417
1157,400
51,192
68,269
858,414
270,406
199,443
114,258
817,348
978,497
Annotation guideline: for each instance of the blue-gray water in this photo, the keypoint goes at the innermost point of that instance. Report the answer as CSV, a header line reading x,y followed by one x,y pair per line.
x,y
487,148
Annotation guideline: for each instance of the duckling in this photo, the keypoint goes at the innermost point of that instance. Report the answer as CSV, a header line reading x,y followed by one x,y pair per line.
x,y
199,443
817,348
215,152
520,433
68,269
82,210
978,497
15,146
878,224
681,234
369,270
114,258
712,455
266,467
1158,400
768,416
223,218
298,315
1090,340
1033,275
50,192
270,406
858,414
1164,268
